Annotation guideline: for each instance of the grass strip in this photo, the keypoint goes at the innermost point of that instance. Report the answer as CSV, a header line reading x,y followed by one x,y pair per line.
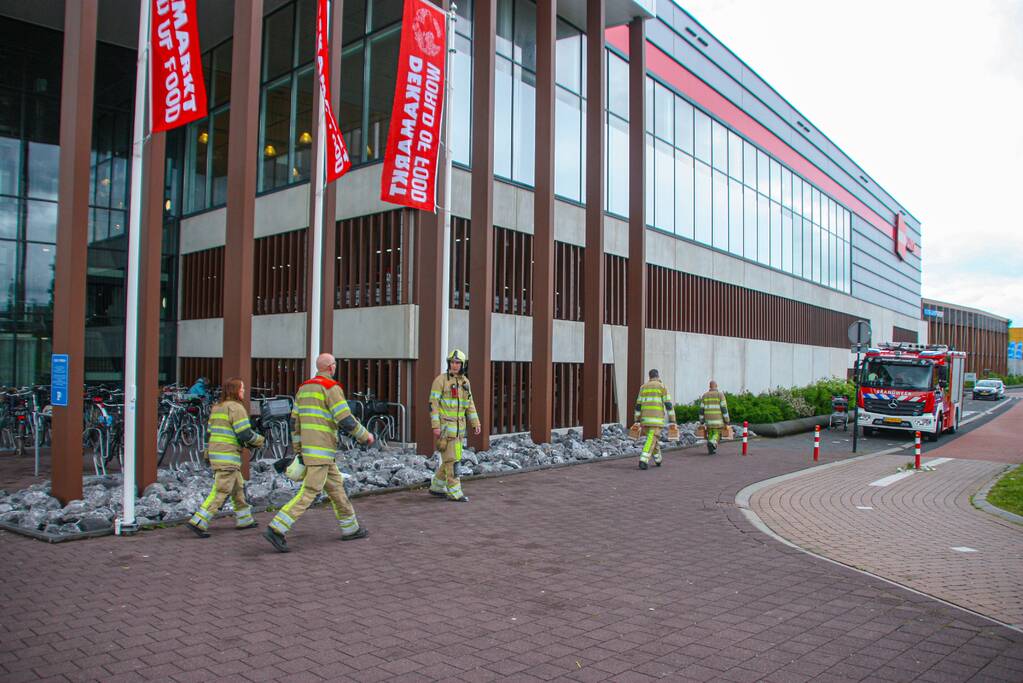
x,y
1007,493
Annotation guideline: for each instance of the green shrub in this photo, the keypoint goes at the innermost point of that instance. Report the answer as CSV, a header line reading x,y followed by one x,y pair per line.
x,y
778,404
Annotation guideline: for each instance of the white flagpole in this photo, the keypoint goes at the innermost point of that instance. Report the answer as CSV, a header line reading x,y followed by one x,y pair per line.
x,y
316,307
316,229
126,523
446,208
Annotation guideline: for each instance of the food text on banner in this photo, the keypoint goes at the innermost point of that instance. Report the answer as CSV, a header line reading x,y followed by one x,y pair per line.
x,y
413,141
338,162
178,92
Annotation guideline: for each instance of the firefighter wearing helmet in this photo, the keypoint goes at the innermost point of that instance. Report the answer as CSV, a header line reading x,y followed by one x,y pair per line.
x,y
451,409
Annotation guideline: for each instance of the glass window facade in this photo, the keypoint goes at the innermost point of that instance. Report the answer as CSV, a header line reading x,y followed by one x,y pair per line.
x,y
29,171
705,182
730,195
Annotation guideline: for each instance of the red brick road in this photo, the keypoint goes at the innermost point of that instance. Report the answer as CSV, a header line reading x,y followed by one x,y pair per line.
x,y
1000,440
596,572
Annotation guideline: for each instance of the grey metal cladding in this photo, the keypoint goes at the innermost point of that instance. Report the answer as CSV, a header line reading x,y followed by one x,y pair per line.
x,y
868,269
883,298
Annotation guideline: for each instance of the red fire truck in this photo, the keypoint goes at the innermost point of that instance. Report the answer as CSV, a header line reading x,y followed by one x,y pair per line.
x,y
912,387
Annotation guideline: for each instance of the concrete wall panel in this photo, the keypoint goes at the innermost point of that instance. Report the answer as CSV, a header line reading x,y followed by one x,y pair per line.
x,y
203,231
201,338
282,211
279,336
377,332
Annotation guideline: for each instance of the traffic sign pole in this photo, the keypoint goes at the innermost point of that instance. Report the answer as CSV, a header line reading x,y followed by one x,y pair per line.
x,y
859,335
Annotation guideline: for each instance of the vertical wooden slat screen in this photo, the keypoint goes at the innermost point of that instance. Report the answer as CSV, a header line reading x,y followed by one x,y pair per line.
x,y
385,376
610,410
513,272
984,339
683,302
567,398
372,256
510,397
202,282
280,273
194,368
615,302
459,277
568,276
278,376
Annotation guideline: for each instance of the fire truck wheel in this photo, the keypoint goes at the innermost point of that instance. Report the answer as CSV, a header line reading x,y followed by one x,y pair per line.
x,y
936,434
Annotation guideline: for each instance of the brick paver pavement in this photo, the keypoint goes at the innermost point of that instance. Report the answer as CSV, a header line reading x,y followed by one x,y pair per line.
x,y
596,572
909,529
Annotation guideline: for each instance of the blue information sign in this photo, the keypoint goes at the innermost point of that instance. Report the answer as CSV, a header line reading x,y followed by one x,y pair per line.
x,y
58,379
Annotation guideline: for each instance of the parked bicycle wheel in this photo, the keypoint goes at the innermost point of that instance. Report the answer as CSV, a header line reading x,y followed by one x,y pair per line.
x,y
379,427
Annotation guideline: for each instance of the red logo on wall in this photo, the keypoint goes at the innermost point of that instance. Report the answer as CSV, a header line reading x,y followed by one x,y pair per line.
x,y
903,243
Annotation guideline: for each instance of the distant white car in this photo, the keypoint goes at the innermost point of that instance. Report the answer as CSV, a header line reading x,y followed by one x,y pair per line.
x,y
989,388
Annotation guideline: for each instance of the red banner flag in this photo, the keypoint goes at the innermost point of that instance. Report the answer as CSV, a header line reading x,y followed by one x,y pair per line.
x,y
338,162
178,93
410,162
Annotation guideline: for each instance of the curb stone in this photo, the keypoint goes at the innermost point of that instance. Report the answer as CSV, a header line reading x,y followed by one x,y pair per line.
x,y
980,501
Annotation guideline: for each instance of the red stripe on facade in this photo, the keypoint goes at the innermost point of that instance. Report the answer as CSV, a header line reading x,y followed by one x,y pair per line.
x,y
665,67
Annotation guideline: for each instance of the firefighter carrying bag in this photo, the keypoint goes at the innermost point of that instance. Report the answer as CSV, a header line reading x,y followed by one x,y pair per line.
x,y
634,431
296,470
701,432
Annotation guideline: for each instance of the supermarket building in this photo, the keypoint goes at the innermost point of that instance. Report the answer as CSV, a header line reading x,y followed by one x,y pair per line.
x,y
640,200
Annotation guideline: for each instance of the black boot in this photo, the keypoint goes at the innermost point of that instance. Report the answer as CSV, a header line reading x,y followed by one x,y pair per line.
x,y
254,525
277,541
197,531
463,499
363,532
657,462
441,494
643,465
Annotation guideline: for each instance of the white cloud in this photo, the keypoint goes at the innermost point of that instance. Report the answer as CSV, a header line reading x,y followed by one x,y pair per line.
x,y
928,98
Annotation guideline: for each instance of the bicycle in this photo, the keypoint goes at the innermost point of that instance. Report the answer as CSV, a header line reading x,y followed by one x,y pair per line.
x,y
181,427
376,417
103,427
16,428
274,423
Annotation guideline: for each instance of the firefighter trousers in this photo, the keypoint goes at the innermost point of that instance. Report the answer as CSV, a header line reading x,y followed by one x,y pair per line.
x,y
445,479
318,478
226,483
652,445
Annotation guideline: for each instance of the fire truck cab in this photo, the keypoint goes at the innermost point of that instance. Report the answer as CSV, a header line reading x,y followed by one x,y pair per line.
x,y
911,387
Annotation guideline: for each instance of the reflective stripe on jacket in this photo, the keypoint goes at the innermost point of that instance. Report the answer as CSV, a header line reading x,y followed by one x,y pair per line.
x,y
229,430
714,409
451,406
653,403
318,413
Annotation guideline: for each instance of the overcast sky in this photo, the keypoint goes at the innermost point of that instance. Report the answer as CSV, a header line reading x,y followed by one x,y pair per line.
x,y
928,98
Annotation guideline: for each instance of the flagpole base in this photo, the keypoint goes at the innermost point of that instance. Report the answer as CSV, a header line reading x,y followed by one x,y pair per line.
x,y
121,528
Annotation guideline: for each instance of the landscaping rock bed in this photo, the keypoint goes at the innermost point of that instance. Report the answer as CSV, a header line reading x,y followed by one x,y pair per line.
x,y
177,493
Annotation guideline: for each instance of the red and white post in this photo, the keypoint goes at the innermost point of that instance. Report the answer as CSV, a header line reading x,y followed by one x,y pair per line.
x,y
916,452
745,437
816,443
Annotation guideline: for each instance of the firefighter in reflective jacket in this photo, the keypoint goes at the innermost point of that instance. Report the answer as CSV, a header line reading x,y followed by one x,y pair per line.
x,y
713,415
229,430
451,408
320,410
652,404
